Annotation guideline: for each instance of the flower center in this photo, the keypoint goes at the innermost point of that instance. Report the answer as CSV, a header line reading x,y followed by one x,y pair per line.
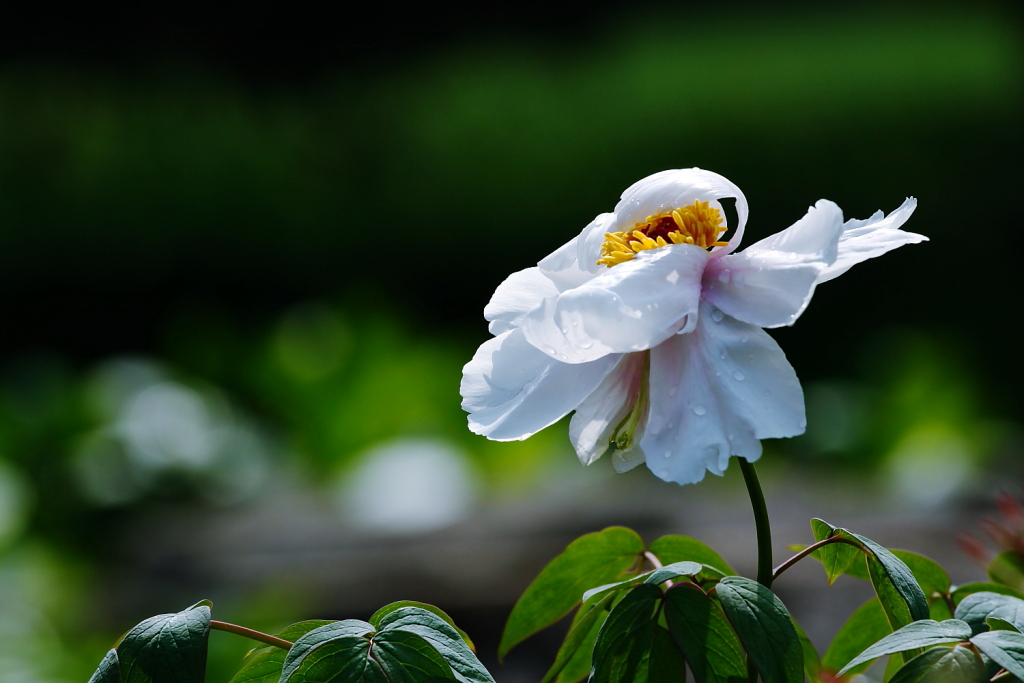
x,y
698,224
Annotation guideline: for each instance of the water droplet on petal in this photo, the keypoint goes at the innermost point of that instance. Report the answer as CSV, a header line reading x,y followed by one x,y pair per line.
x,y
743,339
717,315
586,344
575,323
564,357
792,256
724,275
700,410
722,355
673,390
668,454
565,330
731,436
671,425
738,376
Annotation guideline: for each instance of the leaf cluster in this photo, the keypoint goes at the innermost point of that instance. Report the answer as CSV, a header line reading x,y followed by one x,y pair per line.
x,y
404,642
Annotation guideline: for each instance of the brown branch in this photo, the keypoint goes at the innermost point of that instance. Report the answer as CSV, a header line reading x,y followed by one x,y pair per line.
x,y
251,634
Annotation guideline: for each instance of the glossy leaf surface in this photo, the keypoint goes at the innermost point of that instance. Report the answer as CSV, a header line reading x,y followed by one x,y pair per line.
x,y
702,632
919,634
977,607
167,648
943,665
764,627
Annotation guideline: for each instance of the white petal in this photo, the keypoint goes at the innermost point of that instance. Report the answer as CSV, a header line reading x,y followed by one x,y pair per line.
x,y
631,307
596,418
520,293
873,237
714,393
564,269
512,391
674,189
770,283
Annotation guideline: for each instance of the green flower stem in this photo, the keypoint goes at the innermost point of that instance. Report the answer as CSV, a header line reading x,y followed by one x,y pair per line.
x,y
764,529
252,635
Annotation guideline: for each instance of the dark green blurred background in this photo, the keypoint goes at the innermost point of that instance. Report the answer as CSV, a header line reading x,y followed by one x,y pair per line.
x,y
244,256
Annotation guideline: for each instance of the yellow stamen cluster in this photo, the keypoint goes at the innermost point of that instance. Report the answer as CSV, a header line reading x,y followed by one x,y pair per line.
x,y
697,224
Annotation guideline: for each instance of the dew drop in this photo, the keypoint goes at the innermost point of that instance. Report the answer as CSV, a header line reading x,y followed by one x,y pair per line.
x,y
551,349
743,339
792,256
738,376
724,276
673,390
717,315
575,323
731,436
671,425
564,357
699,410
586,344
668,454
565,330
722,355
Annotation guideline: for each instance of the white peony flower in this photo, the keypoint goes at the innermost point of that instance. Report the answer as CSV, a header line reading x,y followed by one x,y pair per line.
x,y
649,326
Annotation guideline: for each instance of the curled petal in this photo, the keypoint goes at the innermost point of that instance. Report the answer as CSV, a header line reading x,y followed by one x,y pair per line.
x,y
631,307
670,190
873,237
520,293
714,393
512,391
770,283
563,267
596,418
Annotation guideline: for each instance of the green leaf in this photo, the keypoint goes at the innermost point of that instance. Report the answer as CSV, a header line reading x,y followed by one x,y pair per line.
x,y
672,549
900,576
922,633
865,626
263,664
943,665
893,604
589,561
932,578
351,629
812,662
835,557
895,570
655,576
700,629
625,647
1008,569
995,624
389,657
581,643
764,627
635,609
442,636
388,609
977,607
1005,648
584,629
647,655
961,592
108,671
167,648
